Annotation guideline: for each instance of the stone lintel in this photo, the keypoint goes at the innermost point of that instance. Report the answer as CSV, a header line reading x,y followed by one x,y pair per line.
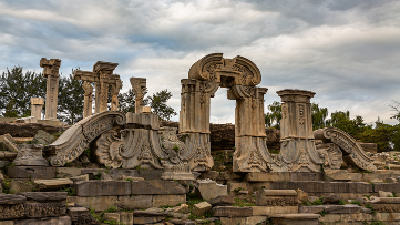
x,y
108,66
93,77
290,95
48,65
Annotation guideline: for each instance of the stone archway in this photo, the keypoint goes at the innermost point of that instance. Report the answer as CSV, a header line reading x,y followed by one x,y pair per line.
x,y
240,76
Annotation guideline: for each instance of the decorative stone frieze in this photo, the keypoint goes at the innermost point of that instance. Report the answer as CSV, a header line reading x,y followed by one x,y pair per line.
x,y
11,211
277,198
34,210
351,149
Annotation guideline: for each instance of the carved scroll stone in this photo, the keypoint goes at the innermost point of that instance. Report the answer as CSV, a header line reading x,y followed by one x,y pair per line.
x,y
77,138
350,148
332,155
35,209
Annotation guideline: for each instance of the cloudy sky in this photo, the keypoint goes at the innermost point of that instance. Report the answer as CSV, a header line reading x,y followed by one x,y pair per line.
x,y
348,52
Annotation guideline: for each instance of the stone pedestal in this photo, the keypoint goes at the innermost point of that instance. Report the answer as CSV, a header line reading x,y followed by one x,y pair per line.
x,y
30,155
36,109
297,140
51,72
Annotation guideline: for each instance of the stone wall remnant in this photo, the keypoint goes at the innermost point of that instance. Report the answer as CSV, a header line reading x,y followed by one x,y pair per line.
x,y
36,109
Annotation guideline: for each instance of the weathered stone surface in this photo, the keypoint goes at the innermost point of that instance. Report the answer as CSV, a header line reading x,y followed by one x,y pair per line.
x,y
7,199
178,172
284,176
298,219
323,187
135,201
331,209
6,223
393,187
157,187
42,172
210,189
147,220
44,138
81,215
200,208
98,203
11,211
387,200
68,171
30,155
181,209
130,178
80,178
36,210
45,196
385,194
268,210
251,220
332,198
51,184
20,186
232,211
337,175
62,220
222,200
29,129
102,188
276,198
7,143
160,200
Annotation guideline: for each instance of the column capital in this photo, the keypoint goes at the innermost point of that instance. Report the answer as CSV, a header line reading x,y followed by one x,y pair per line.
x,y
50,67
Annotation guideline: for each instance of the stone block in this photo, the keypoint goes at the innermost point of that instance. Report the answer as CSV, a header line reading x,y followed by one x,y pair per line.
x,y
147,220
222,200
135,201
20,186
200,208
113,217
98,203
78,178
130,178
42,172
232,211
298,219
7,199
232,186
157,187
342,209
337,175
43,138
268,210
45,196
102,188
385,194
210,189
11,211
62,220
68,171
51,185
171,200
92,170
277,198
6,223
251,220
267,177
314,209
150,175
394,187
181,209
332,198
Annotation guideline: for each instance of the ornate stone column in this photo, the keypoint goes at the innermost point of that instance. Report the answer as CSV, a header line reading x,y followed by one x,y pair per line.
x,y
36,109
88,99
51,72
297,139
97,97
115,89
138,87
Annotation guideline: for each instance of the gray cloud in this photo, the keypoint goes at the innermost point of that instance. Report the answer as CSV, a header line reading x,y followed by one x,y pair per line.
x,y
345,51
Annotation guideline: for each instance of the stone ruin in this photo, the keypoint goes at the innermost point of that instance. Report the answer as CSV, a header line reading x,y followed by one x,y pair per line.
x,y
150,166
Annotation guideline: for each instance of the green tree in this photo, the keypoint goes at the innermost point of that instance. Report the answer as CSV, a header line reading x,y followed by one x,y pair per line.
x,y
396,108
158,103
273,118
70,100
318,116
17,89
342,121
127,101
386,136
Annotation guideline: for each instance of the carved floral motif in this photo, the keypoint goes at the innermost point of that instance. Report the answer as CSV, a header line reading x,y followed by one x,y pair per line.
x,y
11,211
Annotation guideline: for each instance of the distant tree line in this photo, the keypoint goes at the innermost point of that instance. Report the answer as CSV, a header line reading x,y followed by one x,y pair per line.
x,y
386,136
17,89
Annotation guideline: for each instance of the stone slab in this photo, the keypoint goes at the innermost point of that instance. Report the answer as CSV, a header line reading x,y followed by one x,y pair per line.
x,y
135,201
68,171
323,187
45,196
331,209
251,220
157,187
20,186
200,208
268,210
78,178
43,172
387,187
102,188
232,211
52,184
8,199
98,203
222,200
210,189
62,220
284,176
298,219
170,200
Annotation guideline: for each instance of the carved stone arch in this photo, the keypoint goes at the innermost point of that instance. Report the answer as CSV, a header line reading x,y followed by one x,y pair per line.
x,y
77,138
240,76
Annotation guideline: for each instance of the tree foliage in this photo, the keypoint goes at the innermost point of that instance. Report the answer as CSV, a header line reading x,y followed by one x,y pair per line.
x,y
70,100
273,118
158,103
127,101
